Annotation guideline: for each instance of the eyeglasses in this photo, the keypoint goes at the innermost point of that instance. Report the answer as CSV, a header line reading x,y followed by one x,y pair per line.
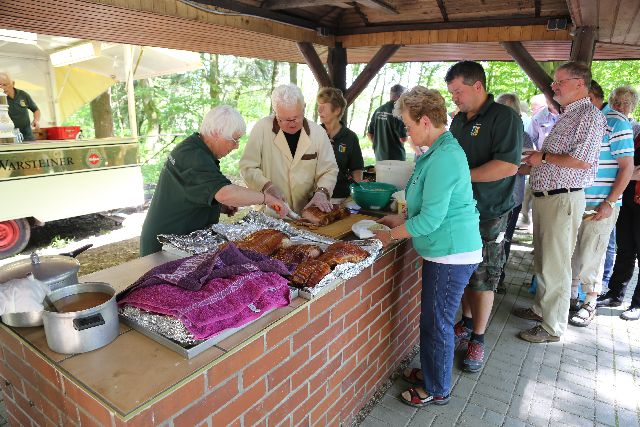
x,y
621,103
289,121
236,141
559,82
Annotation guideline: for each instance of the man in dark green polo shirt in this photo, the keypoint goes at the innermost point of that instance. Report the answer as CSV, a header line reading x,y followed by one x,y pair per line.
x,y
19,105
192,192
387,132
491,136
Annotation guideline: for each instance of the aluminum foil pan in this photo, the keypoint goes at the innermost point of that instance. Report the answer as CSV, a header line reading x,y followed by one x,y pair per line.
x,y
210,238
167,326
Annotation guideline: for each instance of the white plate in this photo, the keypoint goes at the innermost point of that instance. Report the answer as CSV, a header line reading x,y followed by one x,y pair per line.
x,y
361,228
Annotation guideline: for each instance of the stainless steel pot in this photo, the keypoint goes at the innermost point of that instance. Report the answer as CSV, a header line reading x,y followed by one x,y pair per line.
x,y
85,330
57,271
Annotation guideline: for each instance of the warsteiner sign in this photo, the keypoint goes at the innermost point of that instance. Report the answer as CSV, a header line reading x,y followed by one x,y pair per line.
x,y
43,161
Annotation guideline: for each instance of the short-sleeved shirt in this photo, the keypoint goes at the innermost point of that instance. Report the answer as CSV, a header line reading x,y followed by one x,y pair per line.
x,y
184,198
617,143
19,107
495,133
387,131
540,126
578,132
346,148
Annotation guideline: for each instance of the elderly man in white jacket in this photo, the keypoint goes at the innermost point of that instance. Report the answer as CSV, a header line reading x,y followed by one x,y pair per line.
x,y
290,157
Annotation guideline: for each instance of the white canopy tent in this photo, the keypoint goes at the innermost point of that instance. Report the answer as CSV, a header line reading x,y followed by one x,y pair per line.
x,y
62,74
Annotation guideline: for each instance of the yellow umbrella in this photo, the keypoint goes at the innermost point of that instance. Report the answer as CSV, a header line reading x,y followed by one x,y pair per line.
x,y
76,87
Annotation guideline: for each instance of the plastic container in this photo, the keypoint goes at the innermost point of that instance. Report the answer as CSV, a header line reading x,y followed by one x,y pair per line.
x,y
372,195
62,132
395,172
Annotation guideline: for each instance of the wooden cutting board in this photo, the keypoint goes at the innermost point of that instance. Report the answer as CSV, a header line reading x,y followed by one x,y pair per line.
x,y
338,229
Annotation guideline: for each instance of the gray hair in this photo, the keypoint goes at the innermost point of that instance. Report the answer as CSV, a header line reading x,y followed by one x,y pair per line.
x,y
223,121
578,70
287,96
510,100
5,75
625,93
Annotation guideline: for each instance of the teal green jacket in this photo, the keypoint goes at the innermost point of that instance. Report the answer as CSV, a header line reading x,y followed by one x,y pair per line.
x,y
441,212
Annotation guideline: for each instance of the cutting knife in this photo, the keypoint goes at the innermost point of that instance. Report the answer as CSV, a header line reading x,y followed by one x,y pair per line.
x,y
291,214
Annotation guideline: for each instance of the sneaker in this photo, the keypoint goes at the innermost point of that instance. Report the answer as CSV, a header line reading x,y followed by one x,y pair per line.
x,y
607,300
461,335
632,313
527,313
538,334
474,359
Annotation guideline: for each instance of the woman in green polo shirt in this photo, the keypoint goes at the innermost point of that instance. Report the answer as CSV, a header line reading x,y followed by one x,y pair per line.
x,y
443,223
346,147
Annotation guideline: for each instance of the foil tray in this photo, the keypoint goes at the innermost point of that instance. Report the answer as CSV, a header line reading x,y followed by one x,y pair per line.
x,y
191,350
210,238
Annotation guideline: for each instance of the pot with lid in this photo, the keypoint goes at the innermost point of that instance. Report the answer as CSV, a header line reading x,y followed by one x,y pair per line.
x,y
84,317
56,271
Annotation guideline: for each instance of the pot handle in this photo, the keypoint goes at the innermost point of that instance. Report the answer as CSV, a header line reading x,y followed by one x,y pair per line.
x,y
88,322
78,251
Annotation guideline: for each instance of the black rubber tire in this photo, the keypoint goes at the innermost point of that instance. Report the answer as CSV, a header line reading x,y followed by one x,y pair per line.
x,y
15,246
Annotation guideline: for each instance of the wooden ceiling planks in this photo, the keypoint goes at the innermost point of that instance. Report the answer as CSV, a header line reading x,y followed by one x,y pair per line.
x,y
627,20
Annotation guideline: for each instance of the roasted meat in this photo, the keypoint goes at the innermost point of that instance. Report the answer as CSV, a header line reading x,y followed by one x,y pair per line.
x,y
315,216
341,252
266,241
295,254
309,273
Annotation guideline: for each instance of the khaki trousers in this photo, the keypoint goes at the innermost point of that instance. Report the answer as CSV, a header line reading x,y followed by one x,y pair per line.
x,y
556,220
587,263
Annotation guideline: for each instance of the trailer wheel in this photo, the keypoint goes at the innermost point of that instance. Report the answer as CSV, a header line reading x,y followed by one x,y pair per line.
x,y
14,236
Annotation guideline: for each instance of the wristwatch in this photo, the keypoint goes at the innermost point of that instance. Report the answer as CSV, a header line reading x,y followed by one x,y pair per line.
x,y
325,191
544,158
610,203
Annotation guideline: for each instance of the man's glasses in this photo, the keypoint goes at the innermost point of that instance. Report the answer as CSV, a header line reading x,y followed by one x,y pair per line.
x,y
236,141
559,82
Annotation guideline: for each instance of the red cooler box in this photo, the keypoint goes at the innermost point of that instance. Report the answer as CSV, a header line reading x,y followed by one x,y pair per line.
x,y
62,132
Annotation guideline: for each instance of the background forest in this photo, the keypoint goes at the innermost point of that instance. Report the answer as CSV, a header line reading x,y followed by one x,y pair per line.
x,y
169,108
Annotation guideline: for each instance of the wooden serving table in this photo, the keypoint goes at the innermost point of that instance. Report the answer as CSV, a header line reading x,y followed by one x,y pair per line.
x,y
311,363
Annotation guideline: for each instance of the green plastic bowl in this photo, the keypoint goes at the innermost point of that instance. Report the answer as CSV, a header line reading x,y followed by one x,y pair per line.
x,y
372,195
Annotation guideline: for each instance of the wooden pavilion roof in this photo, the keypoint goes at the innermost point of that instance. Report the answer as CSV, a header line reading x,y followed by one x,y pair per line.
x,y
427,30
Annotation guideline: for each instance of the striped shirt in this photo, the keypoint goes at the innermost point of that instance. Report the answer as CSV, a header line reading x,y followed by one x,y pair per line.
x,y
578,132
617,143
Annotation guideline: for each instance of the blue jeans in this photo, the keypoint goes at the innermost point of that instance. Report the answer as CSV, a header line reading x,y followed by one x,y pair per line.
x,y
442,288
609,260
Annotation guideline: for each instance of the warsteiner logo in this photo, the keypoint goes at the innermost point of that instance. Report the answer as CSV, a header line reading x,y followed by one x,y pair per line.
x,y
94,159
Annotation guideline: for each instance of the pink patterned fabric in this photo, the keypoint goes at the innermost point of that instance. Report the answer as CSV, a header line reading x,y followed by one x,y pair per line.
x,y
220,304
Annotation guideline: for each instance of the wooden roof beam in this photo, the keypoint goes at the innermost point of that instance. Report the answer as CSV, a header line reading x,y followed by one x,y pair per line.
x,y
315,63
529,65
443,11
295,4
584,44
379,5
371,69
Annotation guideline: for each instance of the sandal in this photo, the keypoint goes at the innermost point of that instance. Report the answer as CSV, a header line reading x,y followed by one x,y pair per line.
x,y
418,402
412,378
579,318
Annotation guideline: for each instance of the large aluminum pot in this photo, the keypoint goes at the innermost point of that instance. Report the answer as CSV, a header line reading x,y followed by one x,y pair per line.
x,y
57,271
84,330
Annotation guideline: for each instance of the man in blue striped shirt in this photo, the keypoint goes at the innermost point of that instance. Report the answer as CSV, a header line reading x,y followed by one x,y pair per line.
x,y
603,200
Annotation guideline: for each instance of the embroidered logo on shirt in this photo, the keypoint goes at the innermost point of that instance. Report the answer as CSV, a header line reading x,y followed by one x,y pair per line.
x,y
342,148
475,130
23,103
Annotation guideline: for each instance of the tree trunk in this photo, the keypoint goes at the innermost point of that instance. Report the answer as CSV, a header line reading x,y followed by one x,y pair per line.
x,y
293,73
150,114
213,78
371,108
102,115
274,77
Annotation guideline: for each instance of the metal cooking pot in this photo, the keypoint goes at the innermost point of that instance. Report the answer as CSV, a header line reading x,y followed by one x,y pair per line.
x,y
57,271
85,330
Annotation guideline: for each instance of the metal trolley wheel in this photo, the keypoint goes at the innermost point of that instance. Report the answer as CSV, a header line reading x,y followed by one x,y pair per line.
x,y
14,236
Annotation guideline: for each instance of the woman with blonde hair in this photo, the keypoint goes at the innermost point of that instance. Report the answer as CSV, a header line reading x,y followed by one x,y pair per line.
x,y
443,224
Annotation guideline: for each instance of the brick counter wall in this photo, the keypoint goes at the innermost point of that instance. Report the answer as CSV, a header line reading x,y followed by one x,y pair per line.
x,y
319,366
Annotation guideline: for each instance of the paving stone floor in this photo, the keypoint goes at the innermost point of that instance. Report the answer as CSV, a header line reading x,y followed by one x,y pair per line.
x,y
590,378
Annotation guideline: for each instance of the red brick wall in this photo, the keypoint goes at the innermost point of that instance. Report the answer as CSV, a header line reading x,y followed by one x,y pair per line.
x,y
318,367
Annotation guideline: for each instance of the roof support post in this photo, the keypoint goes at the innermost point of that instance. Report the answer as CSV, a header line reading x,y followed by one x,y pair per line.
x,y
371,69
529,65
584,44
337,64
315,63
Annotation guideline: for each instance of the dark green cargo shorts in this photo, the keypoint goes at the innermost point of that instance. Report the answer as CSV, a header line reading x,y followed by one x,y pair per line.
x,y
487,275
